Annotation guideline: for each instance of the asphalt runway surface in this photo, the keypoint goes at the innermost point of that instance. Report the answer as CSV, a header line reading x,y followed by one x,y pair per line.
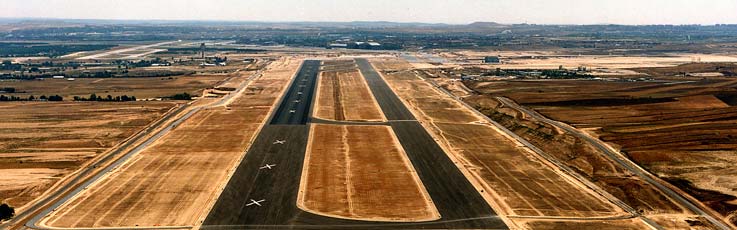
x,y
295,105
393,108
282,143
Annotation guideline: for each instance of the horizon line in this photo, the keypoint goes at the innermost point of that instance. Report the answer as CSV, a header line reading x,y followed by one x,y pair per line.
x,y
355,21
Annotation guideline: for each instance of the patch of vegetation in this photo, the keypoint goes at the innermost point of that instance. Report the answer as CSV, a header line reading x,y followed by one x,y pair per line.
x,y
32,98
45,49
6,212
95,97
181,96
565,74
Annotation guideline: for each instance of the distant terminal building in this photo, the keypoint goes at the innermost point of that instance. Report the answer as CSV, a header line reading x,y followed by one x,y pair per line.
x,y
491,59
356,45
374,45
337,45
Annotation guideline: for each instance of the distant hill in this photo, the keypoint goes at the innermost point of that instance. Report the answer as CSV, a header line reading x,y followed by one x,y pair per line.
x,y
486,25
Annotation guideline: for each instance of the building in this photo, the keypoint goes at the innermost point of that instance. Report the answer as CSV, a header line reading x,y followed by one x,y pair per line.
x,y
337,46
491,59
58,77
374,45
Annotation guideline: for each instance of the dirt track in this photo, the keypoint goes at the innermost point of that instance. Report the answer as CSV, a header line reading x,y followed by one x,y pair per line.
x,y
171,182
351,170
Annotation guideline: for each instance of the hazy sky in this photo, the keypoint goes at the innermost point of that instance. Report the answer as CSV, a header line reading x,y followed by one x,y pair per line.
x,y
445,11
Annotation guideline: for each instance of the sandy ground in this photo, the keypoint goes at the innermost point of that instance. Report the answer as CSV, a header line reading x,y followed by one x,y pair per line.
x,y
549,60
344,95
631,224
171,182
513,177
144,87
41,142
351,172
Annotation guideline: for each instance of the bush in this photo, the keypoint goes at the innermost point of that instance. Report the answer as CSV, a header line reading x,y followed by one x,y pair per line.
x,y
181,96
6,212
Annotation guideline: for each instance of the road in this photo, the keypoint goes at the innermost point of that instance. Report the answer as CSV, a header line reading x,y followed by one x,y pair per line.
x,y
622,161
283,142
89,175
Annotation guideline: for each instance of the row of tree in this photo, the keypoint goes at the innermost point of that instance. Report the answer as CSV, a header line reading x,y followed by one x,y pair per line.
x,y
31,98
95,97
181,96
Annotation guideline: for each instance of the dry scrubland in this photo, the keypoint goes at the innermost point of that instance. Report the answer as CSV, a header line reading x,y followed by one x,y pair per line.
x,y
551,59
143,87
685,133
344,95
515,179
362,172
173,181
41,142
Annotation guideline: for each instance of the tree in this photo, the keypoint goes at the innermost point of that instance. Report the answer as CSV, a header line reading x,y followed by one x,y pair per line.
x,y
93,97
31,98
56,98
6,212
181,96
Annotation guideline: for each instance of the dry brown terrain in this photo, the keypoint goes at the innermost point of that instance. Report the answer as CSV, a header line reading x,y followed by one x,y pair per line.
x,y
632,224
41,142
173,181
553,59
683,132
362,172
520,183
344,95
143,87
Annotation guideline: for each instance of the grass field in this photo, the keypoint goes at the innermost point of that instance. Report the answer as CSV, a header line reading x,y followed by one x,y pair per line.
x,y
362,172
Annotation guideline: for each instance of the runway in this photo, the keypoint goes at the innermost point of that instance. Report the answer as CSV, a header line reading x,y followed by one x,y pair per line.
x,y
294,108
282,143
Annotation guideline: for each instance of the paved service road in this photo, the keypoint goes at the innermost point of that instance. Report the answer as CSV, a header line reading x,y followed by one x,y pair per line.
x,y
282,143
